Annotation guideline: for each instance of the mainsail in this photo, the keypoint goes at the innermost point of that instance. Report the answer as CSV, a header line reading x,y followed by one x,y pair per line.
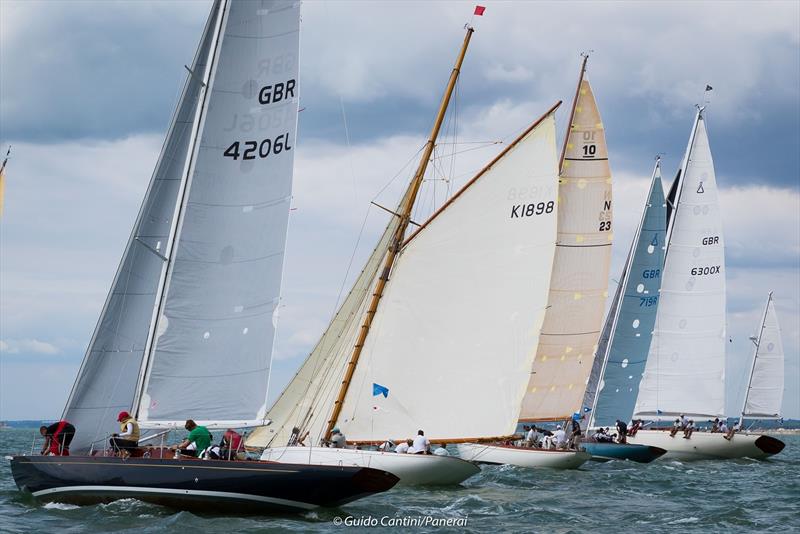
x,y
458,318
685,371
579,286
186,330
764,394
622,351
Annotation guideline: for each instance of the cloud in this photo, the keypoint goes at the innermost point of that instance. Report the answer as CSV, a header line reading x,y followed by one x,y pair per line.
x,y
28,346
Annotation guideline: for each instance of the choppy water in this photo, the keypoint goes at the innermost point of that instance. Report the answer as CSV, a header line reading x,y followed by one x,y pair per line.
x,y
664,496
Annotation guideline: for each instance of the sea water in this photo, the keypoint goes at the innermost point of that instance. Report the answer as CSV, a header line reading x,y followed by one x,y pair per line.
x,y
663,496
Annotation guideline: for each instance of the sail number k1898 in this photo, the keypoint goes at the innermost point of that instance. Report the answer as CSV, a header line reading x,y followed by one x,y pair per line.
x,y
529,210
258,149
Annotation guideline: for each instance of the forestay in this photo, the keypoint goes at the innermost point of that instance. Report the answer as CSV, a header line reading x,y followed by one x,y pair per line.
x,y
685,371
461,314
579,286
216,323
622,353
764,394
109,376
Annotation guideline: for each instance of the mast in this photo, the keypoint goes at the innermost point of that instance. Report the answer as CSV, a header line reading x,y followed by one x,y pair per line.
x,y
572,111
621,293
755,359
405,217
200,113
681,174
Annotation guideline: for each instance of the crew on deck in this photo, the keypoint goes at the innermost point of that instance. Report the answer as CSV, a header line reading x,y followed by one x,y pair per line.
x,y
687,432
421,444
404,446
622,432
338,441
734,429
441,450
123,444
675,427
198,440
57,438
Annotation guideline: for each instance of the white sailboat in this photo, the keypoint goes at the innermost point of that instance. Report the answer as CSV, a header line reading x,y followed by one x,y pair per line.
x,y
461,305
685,371
187,328
764,394
578,287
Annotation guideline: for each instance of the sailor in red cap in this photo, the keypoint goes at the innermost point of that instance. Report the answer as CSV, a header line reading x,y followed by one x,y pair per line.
x,y
128,440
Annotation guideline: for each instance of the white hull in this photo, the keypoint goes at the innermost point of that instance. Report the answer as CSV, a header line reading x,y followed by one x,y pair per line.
x,y
705,445
523,457
412,469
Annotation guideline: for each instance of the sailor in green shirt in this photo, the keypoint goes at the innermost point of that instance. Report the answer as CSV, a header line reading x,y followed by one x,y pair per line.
x,y
199,437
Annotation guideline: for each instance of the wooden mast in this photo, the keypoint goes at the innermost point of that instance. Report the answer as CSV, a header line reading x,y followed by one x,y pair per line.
x,y
397,241
572,112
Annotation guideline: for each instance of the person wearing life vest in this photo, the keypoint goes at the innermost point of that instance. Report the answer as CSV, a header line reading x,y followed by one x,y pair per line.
x,y
57,438
128,440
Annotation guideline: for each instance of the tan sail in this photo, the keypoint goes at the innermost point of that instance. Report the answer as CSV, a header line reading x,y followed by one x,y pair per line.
x,y
579,284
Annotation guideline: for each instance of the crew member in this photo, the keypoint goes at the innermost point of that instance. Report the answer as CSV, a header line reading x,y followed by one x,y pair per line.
x,y
198,440
422,445
123,444
338,441
622,432
57,438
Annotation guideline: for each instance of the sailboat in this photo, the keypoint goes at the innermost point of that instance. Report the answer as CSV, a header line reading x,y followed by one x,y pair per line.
x,y
187,329
625,341
764,394
578,287
685,370
439,328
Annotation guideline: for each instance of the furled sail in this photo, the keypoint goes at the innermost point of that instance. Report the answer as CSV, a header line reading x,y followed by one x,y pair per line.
x,y
685,370
622,353
764,394
110,373
461,315
579,286
215,326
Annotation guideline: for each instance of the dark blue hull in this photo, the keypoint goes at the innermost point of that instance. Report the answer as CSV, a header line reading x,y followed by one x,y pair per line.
x,y
603,452
191,484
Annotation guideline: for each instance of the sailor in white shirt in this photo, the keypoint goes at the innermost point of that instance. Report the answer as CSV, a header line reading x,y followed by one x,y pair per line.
x,y
533,436
422,445
442,450
403,447
560,437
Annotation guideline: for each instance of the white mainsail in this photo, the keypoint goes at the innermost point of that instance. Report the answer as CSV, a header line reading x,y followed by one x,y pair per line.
x,y
186,331
764,394
458,319
685,371
579,285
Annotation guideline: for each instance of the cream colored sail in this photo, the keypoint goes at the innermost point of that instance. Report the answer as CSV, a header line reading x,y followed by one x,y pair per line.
x,y
458,321
579,285
764,394
461,316
305,402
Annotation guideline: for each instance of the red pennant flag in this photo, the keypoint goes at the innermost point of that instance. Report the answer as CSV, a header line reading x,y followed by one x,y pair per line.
x,y
479,10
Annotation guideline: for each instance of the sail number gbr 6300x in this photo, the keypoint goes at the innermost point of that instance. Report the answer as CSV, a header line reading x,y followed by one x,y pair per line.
x,y
269,94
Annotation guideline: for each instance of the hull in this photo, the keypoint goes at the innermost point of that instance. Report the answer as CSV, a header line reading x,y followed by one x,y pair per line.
x,y
603,452
522,457
238,486
411,469
706,446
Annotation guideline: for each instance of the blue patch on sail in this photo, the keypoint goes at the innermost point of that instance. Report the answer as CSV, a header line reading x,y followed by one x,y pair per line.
x,y
654,242
378,389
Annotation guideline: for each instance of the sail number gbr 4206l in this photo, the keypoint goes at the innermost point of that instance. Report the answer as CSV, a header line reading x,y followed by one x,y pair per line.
x,y
262,148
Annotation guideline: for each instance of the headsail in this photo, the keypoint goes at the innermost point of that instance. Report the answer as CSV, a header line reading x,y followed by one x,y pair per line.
x,y
622,352
685,371
764,394
109,375
215,325
579,285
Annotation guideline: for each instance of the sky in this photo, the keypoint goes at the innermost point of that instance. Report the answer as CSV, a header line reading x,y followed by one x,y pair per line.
x,y
87,90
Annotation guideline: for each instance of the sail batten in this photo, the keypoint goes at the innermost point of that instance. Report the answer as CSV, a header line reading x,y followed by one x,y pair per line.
x,y
579,281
